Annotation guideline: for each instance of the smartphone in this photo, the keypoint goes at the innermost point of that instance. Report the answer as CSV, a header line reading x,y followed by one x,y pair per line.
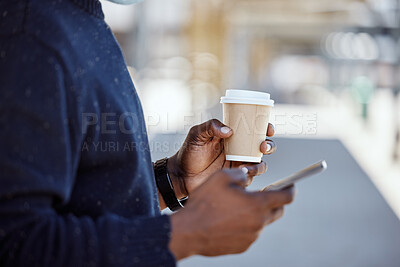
x,y
286,182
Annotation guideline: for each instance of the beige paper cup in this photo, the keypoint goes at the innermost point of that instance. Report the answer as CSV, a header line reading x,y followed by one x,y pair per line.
x,y
247,114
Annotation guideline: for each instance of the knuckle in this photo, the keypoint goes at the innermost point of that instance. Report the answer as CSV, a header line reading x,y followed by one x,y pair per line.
x,y
208,128
278,213
258,224
214,121
210,132
211,124
249,180
281,212
251,170
256,169
262,168
194,130
289,198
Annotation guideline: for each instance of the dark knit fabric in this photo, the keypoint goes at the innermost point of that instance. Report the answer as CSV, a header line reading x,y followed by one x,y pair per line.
x,y
76,180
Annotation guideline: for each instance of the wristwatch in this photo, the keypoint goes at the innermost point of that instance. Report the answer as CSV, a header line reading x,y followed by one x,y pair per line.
x,y
165,186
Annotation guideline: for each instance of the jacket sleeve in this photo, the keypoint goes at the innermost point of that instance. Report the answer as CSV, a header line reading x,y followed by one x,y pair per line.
x,y
38,161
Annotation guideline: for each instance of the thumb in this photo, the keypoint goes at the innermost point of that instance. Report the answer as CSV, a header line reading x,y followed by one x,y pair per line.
x,y
214,128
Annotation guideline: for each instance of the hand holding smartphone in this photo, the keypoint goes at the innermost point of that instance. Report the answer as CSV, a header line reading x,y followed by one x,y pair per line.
x,y
286,182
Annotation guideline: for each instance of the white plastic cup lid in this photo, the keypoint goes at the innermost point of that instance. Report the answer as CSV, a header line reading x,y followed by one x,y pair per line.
x,y
247,97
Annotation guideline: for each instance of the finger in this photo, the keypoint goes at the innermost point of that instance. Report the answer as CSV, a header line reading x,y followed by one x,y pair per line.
x,y
276,214
256,169
268,147
270,130
237,176
237,164
275,199
214,128
249,180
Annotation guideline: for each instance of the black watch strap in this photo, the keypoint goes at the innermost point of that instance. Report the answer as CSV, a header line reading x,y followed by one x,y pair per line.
x,y
165,186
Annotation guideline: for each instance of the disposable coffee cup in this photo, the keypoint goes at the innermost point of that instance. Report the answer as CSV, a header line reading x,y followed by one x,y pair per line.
x,y
247,114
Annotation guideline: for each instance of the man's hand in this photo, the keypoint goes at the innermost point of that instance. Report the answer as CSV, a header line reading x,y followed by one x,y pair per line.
x,y
221,217
202,154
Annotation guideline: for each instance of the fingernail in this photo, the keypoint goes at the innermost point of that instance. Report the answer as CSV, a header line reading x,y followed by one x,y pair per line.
x,y
225,130
245,170
269,147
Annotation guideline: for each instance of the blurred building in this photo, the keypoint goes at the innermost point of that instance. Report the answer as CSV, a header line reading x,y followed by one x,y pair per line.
x,y
314,52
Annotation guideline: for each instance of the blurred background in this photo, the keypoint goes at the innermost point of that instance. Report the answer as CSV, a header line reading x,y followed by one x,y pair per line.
x,y
332,68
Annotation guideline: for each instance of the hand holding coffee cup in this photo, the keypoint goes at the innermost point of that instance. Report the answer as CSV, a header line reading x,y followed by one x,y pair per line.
x,y
247,114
